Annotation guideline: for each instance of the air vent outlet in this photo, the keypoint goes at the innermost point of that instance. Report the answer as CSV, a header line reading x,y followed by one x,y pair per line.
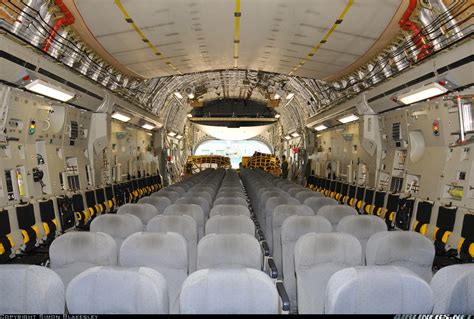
x,y
396,132
74,130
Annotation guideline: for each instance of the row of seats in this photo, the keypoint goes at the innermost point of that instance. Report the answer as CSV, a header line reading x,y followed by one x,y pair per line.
x,y
352,290
365,239
161,232
435,221
27,229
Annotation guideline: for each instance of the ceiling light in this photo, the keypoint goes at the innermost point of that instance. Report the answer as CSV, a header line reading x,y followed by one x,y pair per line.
x,y
48,89
172,134
349,118
189,115
121,117
288,137
320,127
147,126
295,134
277,116
149,134
178,95
290,95
276,96
179,136
191,95
423,93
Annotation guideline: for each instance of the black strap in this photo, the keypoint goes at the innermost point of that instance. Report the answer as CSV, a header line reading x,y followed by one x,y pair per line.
x,y
32,236
6,245
465,247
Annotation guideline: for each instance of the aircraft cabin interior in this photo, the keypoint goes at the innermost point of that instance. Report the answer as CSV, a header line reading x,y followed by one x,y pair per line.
x,y
236,157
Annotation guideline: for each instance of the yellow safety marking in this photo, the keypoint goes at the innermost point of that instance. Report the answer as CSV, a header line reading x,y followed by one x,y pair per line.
x,y
379,211
91,210
423,229
110,204
237,15
78,215
55,222
26,238
46,228
324,40
368,209
86,215
391,216
9,237
444,239
144,38
359,204
2,249
435,233
35,228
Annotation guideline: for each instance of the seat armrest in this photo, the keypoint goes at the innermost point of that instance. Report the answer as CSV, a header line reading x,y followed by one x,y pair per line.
x,y
260,235
284,299
272,268
265,248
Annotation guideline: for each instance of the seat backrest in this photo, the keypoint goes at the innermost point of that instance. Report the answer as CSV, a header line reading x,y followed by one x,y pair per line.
x,y
377,290
271,204
192,210
202,194
229,210
159,202
229,251
292,229
183,225
117,226
317,258
334,213
295,190
171,195
114,290
304,194
361,227
229,291
315,203
164,252
197,200
180,189
453,288
74,252
30,289
144,212
402,248
231,194
280,214
239,224
231,201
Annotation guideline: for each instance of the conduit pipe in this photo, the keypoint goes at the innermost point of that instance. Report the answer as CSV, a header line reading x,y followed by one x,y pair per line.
x,y
418,38
67,19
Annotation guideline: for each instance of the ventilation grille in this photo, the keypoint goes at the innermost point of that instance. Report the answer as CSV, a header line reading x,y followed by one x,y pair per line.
x,y
74,131
396,132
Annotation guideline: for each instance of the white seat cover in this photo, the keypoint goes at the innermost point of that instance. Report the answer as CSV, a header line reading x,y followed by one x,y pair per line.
x,y
317,258
377,290
30,289
114,290
229,291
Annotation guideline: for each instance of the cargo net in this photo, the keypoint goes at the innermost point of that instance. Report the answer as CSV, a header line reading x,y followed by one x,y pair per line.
x,y
197,163
267,162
